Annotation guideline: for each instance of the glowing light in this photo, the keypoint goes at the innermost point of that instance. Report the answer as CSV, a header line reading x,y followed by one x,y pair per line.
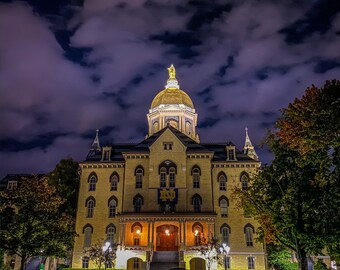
x,y
138,231
167,232
196,232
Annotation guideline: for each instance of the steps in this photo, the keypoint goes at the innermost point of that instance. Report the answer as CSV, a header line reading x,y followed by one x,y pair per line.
x,y
164,260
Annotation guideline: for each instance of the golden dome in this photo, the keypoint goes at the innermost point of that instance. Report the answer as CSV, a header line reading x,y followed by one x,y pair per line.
x,y
172,96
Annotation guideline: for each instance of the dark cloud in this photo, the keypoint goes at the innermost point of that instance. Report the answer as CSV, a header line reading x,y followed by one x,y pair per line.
x,y
70,67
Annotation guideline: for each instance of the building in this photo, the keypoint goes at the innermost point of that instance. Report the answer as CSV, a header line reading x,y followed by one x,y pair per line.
x,y
156,198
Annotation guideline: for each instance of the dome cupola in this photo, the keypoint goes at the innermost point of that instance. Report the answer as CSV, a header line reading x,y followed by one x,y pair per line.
x,y
173,106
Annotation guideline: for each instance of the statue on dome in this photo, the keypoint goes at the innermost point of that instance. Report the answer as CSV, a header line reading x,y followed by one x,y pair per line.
x,y
172,72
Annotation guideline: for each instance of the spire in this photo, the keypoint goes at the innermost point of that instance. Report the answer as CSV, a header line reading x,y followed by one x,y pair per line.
x,y
96,145
172,81
248,148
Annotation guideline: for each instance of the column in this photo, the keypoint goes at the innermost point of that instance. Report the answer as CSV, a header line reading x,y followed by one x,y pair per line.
x,y
148,232
184,232
180,232
153,234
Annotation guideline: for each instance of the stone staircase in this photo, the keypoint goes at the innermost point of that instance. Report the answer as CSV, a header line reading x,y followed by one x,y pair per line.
x,y
164,260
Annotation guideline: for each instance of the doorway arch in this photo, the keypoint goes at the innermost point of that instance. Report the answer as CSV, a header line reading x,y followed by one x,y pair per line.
x,y
197,264
167,238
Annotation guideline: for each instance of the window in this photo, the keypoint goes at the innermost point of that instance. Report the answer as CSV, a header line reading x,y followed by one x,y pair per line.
x,y
244,182
90,207
87,231
12,185
110,233
225,231
114,182
249,230
85,262
167,145
197,229
135,263
138,202
223,182
231,154
106,155
224,207
136,241
196,178
251,263
172,172
112,208
162,177
197,201
92,182
227,262
139,177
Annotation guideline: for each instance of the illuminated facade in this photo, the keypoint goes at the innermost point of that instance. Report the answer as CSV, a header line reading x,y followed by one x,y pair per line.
x,y
157,197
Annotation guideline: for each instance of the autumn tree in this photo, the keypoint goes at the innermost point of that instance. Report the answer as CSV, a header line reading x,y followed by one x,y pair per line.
x,y
31,223
296,199
65,178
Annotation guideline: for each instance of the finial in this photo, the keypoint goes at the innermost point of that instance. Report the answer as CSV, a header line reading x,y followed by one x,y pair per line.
x,y
172,72
96,145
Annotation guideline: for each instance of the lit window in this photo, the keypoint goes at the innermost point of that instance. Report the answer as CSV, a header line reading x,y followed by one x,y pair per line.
x,y
251,263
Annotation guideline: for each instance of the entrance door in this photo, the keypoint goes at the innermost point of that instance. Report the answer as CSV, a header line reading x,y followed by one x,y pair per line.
x,y
167,238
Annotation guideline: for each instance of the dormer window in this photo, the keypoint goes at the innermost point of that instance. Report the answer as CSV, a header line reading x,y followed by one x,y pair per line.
x,y
12,185
231,152
106,153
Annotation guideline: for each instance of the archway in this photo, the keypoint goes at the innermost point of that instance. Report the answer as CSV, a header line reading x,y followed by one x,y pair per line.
x,y
134,264
197,264
167,238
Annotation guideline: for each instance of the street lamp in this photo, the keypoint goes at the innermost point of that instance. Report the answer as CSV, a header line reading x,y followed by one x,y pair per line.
x,y
224,249
106,251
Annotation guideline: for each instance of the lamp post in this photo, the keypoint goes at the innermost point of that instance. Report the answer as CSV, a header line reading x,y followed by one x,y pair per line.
x,y
224,249
106,252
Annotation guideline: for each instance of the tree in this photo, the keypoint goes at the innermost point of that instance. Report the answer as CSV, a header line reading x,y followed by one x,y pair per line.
x,y
280,258
102,254
208,248
30,221
65,178
296,199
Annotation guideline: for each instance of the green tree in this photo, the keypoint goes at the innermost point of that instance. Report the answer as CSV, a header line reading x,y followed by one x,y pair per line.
x,y
30,221
280,258
65,178
296,199
102,254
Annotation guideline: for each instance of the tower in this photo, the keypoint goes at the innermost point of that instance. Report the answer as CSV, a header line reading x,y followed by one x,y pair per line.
x,y
172,106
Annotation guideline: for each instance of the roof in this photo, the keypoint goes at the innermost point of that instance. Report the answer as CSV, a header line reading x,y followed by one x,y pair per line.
x,y
217,149
17,177
172,96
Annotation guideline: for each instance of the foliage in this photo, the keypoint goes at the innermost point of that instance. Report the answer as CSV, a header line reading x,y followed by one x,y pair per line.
x,y
208,248
30,221
65,178
320,265
280,258
99,256
297,198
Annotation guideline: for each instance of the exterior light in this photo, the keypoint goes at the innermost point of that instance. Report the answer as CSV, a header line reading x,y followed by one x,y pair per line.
x,y
196,232
138,231
167,232
224,249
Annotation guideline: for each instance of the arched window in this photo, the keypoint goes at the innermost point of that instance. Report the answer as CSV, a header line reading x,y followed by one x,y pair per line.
x,y
114,182
112,203
137,203
87,231
225,231
222,179
110,233
196,174
172,173
136,229
197,202
249,231
90,204
244,181
197,230
224,203
92,182
162,176
139,176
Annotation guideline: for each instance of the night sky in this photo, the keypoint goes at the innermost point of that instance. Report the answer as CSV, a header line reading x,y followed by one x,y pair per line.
x,y
70,67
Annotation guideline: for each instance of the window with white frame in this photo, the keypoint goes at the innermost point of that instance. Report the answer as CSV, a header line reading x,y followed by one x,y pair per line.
x,y
223,182
85,262
112,208
249,236
224,207
90,208
114,182
225,234
172,173
110,233
251,263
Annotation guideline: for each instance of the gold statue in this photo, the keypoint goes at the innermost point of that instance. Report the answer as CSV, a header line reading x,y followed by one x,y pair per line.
x,y
172,72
